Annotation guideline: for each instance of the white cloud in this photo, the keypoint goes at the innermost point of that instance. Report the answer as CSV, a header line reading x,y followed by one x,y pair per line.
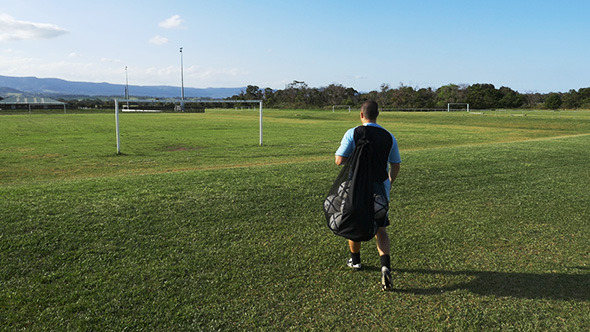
x,y
10,51
355,77
68,70
213,73
158,40
109,60
162,71
172,22
194,76
10,65
13,30
74,55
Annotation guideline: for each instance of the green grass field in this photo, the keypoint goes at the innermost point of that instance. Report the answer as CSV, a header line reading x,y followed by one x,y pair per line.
x,y
196,227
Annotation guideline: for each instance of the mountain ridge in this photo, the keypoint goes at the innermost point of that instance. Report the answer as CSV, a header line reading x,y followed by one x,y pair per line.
x,y
56,87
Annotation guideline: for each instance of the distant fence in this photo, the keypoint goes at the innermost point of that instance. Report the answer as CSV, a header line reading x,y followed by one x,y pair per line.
x,y
388,109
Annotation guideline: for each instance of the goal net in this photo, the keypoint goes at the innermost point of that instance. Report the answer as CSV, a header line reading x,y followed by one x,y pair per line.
x,y
334,107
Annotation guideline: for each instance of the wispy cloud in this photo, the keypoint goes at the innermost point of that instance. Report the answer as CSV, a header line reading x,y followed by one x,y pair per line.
x,y
208,73
158,40
355,77
110,60
12,29
172,22
10,51
69,70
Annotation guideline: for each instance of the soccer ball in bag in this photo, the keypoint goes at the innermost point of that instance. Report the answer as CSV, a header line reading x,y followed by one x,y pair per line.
x,y
332,204
380,206
343,189
335,220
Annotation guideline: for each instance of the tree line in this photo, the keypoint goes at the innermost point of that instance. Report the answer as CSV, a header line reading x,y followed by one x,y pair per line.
x,y
479,96
298,95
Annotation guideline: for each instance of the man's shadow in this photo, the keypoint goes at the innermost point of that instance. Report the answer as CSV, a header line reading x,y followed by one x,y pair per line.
x,y
556,286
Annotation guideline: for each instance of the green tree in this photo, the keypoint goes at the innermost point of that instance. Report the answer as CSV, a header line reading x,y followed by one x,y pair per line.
x,y
269,97
352,97
335,94
584,95
510,98
372,95
403,97
384,96
450,93
424,98
482,96
571,99
533,99
553,101
253,92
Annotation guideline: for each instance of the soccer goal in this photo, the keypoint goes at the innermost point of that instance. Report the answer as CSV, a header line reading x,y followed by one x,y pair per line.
x,y
457,109
206,101
334,107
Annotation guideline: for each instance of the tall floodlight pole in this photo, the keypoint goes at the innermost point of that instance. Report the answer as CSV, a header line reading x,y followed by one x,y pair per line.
x,y
126,86
181,83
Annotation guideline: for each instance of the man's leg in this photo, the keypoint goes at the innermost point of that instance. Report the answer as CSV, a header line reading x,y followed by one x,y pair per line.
x,y
382,241
355,255
383,247
354,246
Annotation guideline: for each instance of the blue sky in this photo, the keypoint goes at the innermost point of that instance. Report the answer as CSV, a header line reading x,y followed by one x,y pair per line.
x,y
530,46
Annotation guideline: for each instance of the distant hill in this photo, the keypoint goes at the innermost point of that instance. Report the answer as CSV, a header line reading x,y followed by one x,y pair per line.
x,y
5,92
58,88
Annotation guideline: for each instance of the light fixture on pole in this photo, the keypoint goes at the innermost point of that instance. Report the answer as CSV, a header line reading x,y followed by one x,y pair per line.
x,y
181,83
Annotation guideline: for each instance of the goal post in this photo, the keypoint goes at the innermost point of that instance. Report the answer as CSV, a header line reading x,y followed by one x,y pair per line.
x,y
340,106
203,101
449,106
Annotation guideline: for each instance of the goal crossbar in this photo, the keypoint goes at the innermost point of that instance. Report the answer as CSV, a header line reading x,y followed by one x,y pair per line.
x,y
174,101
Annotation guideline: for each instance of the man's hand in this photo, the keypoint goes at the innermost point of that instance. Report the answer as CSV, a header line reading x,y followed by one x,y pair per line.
x,y
393,171
340,160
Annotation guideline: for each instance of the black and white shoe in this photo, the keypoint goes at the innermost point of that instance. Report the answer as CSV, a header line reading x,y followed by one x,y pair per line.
x,y
356,267
386,283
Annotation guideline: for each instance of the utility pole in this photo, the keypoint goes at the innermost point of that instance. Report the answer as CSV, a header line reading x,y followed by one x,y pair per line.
x,y
181,83
127,87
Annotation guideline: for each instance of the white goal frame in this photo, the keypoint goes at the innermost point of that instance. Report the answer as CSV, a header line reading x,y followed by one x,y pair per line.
x,y
340,106
211,101
449,106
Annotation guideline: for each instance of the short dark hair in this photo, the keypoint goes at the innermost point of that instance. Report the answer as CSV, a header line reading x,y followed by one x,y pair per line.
x,y
370,109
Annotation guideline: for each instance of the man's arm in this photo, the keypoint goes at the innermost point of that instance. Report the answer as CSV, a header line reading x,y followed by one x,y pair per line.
x,y
346,147
393,171
340,160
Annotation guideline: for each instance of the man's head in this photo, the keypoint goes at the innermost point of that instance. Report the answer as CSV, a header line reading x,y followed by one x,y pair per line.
x,y
369,111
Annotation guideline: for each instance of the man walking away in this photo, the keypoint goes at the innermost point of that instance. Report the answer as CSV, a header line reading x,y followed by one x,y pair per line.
x,y
386,164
